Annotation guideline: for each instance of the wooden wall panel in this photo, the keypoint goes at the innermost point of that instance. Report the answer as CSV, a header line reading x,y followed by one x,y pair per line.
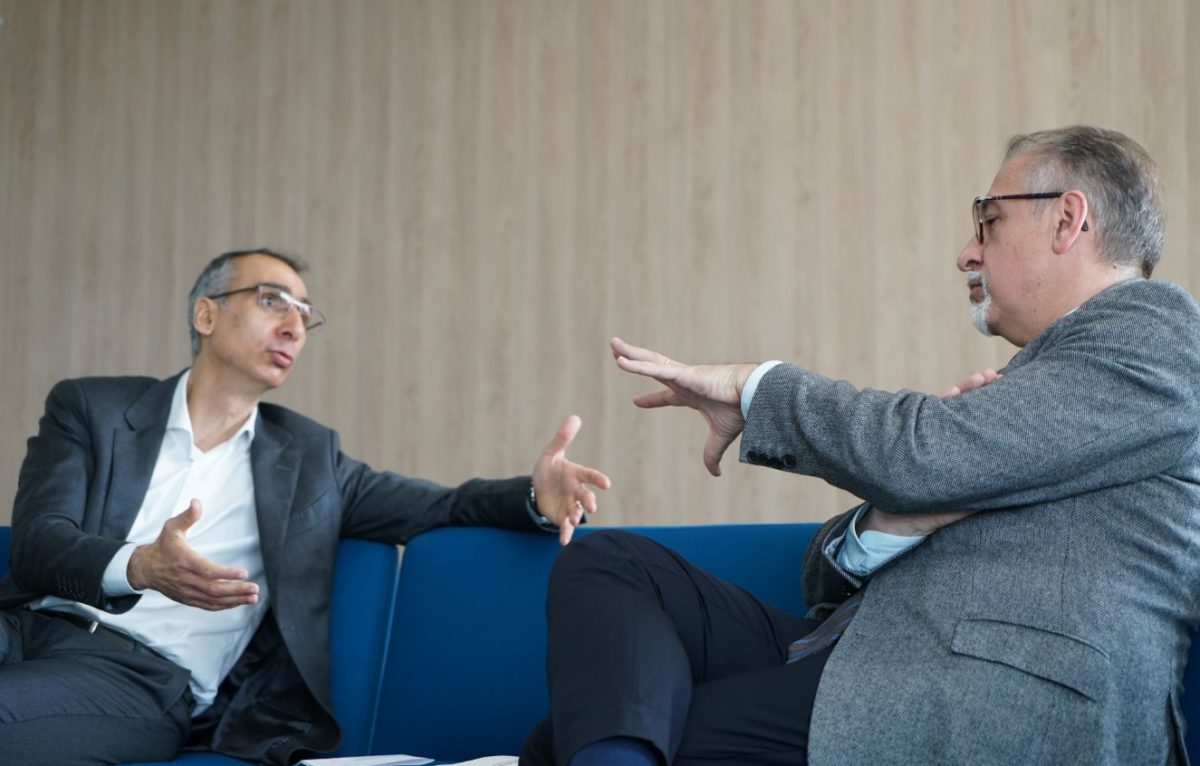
x,y
487,191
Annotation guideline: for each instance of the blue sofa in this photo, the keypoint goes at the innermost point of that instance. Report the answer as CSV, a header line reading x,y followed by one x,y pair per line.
x,y
444,655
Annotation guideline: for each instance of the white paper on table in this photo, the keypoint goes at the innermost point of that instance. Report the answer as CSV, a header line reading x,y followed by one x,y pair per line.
x,y
370,760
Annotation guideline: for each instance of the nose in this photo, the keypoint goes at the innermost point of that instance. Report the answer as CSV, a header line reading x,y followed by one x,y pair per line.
x,y
970,257
292,324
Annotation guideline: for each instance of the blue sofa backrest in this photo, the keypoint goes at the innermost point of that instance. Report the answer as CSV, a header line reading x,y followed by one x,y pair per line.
x,y
465,674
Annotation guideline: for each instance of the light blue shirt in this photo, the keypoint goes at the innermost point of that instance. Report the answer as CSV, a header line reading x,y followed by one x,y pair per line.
x,y
857,554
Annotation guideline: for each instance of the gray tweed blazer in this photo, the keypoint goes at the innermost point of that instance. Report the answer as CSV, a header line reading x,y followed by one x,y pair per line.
x,y
1052,626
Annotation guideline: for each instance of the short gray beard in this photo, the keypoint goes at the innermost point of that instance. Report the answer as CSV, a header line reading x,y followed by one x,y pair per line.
x,y
979,311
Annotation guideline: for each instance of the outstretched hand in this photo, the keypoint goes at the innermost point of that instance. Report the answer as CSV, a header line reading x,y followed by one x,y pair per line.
x,y
562,486
171,567
715,391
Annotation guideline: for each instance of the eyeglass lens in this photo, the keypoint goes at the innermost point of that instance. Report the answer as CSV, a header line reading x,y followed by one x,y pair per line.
x,y
277,301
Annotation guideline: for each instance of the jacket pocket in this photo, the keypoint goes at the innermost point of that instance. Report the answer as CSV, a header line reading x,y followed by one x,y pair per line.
x,y
315,514
1054,657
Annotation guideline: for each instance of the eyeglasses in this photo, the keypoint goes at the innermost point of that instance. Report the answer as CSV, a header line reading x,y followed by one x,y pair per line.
x,y
275,300
977,207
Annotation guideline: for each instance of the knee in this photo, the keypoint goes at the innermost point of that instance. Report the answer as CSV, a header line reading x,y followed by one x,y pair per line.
x,y
597,550
602,562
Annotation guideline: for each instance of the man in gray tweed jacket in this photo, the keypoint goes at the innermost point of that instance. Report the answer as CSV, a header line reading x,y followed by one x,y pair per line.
x,y
1025,566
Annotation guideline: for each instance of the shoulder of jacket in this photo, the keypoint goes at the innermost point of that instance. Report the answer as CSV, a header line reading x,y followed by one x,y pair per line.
x,y
292,421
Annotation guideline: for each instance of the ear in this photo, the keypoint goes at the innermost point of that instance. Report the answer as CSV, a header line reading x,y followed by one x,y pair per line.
x,y
204,316
1072,211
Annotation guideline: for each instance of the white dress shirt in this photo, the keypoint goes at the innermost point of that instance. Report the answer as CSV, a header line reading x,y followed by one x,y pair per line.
x,y
206,643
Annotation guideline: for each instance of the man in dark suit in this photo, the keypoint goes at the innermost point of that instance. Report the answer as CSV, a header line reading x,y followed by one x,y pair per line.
x,y
173,544
1020,586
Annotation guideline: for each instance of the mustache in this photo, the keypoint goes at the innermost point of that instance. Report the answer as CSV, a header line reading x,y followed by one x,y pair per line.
x,y
975,279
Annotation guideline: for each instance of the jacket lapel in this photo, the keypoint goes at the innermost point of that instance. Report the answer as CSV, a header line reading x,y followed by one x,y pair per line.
x,y
136,443
275,468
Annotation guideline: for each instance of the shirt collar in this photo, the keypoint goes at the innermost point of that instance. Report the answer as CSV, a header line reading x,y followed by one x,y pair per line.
x,y
180,420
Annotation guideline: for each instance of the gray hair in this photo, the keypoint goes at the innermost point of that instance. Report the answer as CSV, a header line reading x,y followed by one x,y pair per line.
x,y
217,277
1117,176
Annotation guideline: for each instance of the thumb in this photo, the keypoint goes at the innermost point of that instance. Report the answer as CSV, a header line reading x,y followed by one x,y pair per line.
x,y
188,518
565,434
714,448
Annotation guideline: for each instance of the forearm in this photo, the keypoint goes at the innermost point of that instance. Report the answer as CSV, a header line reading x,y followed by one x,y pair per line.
x,y
914,453
392,508
53,552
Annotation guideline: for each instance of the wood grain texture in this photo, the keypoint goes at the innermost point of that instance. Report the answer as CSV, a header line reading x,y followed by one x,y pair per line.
x,y
488,190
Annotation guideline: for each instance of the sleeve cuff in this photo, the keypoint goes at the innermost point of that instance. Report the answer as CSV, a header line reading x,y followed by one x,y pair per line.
x,y
752,384
541,521
863,555
115,581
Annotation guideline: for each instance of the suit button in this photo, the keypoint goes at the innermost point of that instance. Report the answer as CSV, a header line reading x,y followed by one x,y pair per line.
x,y
753,457
774,462
789,461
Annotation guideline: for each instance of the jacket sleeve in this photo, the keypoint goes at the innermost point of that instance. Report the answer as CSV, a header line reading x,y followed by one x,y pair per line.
x,y
52,553
1106,399
385,506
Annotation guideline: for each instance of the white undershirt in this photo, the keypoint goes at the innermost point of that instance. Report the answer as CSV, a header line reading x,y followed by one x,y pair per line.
x,y
207,643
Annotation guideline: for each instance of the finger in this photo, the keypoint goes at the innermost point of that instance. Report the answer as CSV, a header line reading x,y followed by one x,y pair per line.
x,y
650,368
211,571
622,349
589,502
955,391
664,398
565,530
219,604
213,594
593,477
564,435
614,345
214,590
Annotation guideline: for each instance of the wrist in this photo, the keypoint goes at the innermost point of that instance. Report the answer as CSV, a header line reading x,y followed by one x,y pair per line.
x,y
133,571
532,500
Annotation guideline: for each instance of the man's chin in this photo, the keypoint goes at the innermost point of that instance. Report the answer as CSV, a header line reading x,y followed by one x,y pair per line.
x,y
274,377
979,317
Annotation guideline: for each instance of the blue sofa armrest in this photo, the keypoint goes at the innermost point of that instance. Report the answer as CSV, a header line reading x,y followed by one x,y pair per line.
x,y
465,674
364,595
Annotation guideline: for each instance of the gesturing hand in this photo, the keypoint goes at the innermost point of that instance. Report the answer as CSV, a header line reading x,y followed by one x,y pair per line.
x,y
714,391
562,486
171,567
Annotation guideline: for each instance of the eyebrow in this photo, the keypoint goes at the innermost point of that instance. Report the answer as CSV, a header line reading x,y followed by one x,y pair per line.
x,y
286,289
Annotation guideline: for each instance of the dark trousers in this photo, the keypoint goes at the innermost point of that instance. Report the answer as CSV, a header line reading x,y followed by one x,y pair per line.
x,y
643,644
71,697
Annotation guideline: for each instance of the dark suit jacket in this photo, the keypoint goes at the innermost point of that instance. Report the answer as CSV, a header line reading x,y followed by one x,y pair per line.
x,y
85,476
